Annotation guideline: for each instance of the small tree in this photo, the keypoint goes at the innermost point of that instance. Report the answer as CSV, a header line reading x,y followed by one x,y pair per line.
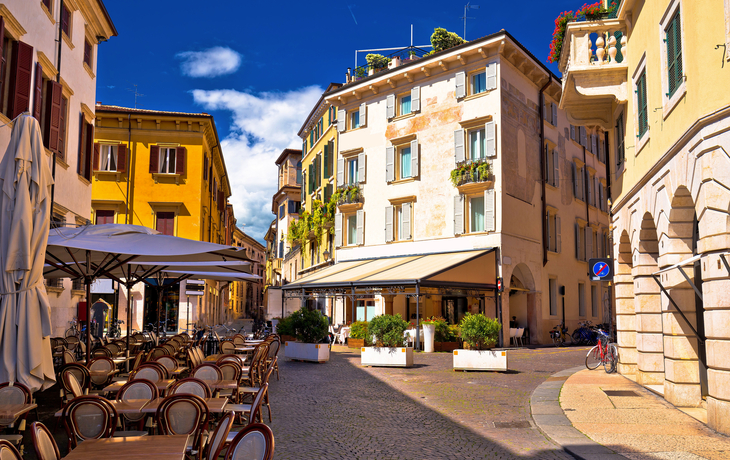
x,y
359,330
480,332
387,330
377,61
309,326
442,39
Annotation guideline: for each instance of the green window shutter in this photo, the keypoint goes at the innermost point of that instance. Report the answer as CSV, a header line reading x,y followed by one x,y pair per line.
x,y
674,54
327,172
642,104
311,177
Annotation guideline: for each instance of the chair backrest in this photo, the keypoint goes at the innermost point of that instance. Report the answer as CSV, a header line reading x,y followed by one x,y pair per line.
x,y
72,342
274,348
230,370
45,446
138,389
114,348
79,371
182,414
256,404
15,394
169,362
102,352
139,359
207,371
8,451
157,352
192,386
72,384
147,372
239,340
89,417
227,347
218,439
199,354
170,348
255,442
101,364
238,359
520,331
68,357
512,332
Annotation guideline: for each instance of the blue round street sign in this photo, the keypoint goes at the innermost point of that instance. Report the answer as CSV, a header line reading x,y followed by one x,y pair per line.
x,y
601,269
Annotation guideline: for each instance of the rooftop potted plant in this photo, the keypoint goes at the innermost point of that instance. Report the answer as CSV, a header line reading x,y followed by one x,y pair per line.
x,y
479,334
387,332
310,329
442,39
376,63
358,333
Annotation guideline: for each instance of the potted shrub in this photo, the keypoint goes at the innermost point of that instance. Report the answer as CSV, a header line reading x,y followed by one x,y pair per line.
x,y
358,333
387,333
479,334
310,329
447,336
284,329
376,63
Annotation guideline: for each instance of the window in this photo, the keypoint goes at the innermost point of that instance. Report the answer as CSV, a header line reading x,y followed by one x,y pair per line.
x,y
65,20
108,157
594,301
550,112
553,230
578,181
580,242
552,166
478,82
674,54
104,217
553,290
355,119
351,171
299,172
479,211
476,214
47,4
477,145
166,223
404,162
167,160
620,153
351,230
581,299
642,104
404,104
88,50
86,144
294,207
398,219
282,211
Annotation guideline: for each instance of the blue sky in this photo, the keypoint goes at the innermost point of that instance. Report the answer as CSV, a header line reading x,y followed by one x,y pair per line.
x,y
259,67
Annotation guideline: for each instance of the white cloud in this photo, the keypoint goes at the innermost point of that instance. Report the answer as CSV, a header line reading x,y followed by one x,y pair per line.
x,y
209,63
263,125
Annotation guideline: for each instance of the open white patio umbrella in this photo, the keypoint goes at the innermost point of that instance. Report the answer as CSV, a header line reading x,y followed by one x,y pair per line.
x,y
25,209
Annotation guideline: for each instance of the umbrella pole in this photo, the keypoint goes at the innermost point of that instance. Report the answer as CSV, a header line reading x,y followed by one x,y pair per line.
x,y
87,281
159,309
129,317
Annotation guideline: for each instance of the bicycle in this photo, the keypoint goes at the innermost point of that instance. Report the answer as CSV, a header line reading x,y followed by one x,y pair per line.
x,y
585,334
73,331
115,331
560,335
603,353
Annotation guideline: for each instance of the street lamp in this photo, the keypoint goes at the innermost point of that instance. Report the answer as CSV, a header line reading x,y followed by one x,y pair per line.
x,y
326,254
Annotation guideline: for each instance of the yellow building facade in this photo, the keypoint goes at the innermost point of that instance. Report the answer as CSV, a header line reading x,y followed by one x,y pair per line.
x,y
655,76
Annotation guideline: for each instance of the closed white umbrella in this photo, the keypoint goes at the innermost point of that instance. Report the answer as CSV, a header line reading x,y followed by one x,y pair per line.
x,y
25,209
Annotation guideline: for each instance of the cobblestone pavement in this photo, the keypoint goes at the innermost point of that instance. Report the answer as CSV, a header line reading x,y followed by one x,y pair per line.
x,y
342,410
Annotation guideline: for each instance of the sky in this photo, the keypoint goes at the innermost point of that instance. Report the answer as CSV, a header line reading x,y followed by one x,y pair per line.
x,y
260,67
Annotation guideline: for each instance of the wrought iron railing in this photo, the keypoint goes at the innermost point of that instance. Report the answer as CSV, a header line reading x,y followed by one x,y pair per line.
x,y
396,58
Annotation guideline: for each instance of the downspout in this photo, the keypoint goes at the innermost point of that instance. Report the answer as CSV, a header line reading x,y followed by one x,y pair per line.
x,y
541,110
129,163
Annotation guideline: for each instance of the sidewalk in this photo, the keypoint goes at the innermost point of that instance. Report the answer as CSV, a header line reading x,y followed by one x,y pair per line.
x,y
595,415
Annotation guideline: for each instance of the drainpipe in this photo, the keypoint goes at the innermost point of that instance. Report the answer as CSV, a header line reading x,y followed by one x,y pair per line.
x,y
418,315
541,109
129,163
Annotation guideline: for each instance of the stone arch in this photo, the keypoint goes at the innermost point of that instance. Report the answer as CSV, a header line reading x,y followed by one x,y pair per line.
x,y
647,306
520,299
625,313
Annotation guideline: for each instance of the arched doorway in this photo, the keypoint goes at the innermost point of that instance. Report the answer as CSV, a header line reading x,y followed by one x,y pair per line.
x,y
625,313
522,301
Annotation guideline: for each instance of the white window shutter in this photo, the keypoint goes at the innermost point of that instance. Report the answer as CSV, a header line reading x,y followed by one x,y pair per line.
x,y
460,85
360,227
458,214
581,184
589,243
361,167
556,168
416,99
577,242
594,144
490,135
390,106
340,171
390,164
589,187
601,153
574,171
489,210
415,154
492,76
572,132
459,145
583,139
406,221
554,114
341,119
548,241
338,230
546,162
545,111
388,224
363,114
557,234
599,244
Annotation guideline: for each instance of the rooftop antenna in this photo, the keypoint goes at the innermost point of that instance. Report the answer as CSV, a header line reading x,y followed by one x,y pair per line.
x,y
136,94
468,7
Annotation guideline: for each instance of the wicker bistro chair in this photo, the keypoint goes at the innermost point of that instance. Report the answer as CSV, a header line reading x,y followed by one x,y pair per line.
x,y
252,391
184,414
71,382
8,451
137,389
255,442
15,394
238,359
191,386
102,352
150,370
219,436
169,362
254,409
239,340
89,417
68,357
101,364
227,347
207,371
43,442
272,358
230,371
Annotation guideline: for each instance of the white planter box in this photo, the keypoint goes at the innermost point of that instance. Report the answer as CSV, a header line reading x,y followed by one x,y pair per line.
x,y
387,357
313,352
480,360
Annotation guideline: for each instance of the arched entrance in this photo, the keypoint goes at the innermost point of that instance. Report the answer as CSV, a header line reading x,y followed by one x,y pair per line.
x,y
522,301
625,313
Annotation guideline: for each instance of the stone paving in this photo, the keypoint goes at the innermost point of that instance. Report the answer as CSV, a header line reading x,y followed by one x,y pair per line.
x,y
342,410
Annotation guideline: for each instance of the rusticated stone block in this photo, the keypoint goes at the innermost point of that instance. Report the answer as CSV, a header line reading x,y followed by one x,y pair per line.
x,y
626,339
649,378
716,294
645,286
717,324
627,355
718,415
683,394
682,371
627,368
648,322
678,347
674,324
625,306
626,322
649,343
650,362
647,304
718,383
718,354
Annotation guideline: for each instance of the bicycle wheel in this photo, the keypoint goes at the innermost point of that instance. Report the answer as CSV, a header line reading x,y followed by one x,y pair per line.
x,y
593,358
610,359
577,337
72,331
556,339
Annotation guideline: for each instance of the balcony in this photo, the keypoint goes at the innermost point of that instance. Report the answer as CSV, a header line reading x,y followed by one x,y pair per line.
x,y
595,71
349,198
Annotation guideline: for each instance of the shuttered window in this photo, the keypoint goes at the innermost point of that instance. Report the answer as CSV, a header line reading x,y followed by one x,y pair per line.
x,y
674,54
52,116
86,146
104,217
21,69
166,223
65,20
642,104
88,49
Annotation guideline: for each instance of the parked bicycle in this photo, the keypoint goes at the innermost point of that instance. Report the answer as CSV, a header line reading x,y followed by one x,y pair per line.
x,y
73,331
560,335
586,334
604,352
115,331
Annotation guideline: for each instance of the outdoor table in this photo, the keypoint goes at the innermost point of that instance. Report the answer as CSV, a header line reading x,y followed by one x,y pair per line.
x,y
212,358
103,373
176,373
122,360
9,412
244,349
158,447
162,385
222,384
131,406
215,405
254,342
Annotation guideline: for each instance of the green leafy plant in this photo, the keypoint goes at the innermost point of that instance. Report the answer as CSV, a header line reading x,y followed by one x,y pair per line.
x,y
348,194
473,171
359,330
442,39
377,61
480,332
285,326
318,218
309,326
359,72
387,330
293,234
304,226
444,332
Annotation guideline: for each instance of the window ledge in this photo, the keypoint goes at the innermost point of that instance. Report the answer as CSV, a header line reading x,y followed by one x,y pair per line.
x,y
671,102
67,39
83,179
476,96
353,129
158,176
89,71
101,175
642,141
403,117
349,207
48,13
402,181
78,292
54,290
6,121
409,240
474,187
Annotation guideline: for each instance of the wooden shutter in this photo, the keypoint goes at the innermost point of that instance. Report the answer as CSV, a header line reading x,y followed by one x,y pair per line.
x,y
327,172
97,154
416,99
303,189
414,158
180,157
360,227
459,153
572,132
458,214
589,242
154,159
363,114
406,221
581,183
389,210
460,90
166,223
205,167
601,150
87,53
310,173
89,145
317,171
38,94
577,242
674,54
54,99
554,108
3,69
583,137
121,158
557,234
490,136
338,230
340,171
548,241
221,201
62,128
390,164
489,210
341,123
390,106
492,76
574,172
588,186
81,161
20,79
556,168
328,192
361,167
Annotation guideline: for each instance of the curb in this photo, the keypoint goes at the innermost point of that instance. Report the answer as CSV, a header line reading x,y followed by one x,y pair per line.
x,y
550,419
